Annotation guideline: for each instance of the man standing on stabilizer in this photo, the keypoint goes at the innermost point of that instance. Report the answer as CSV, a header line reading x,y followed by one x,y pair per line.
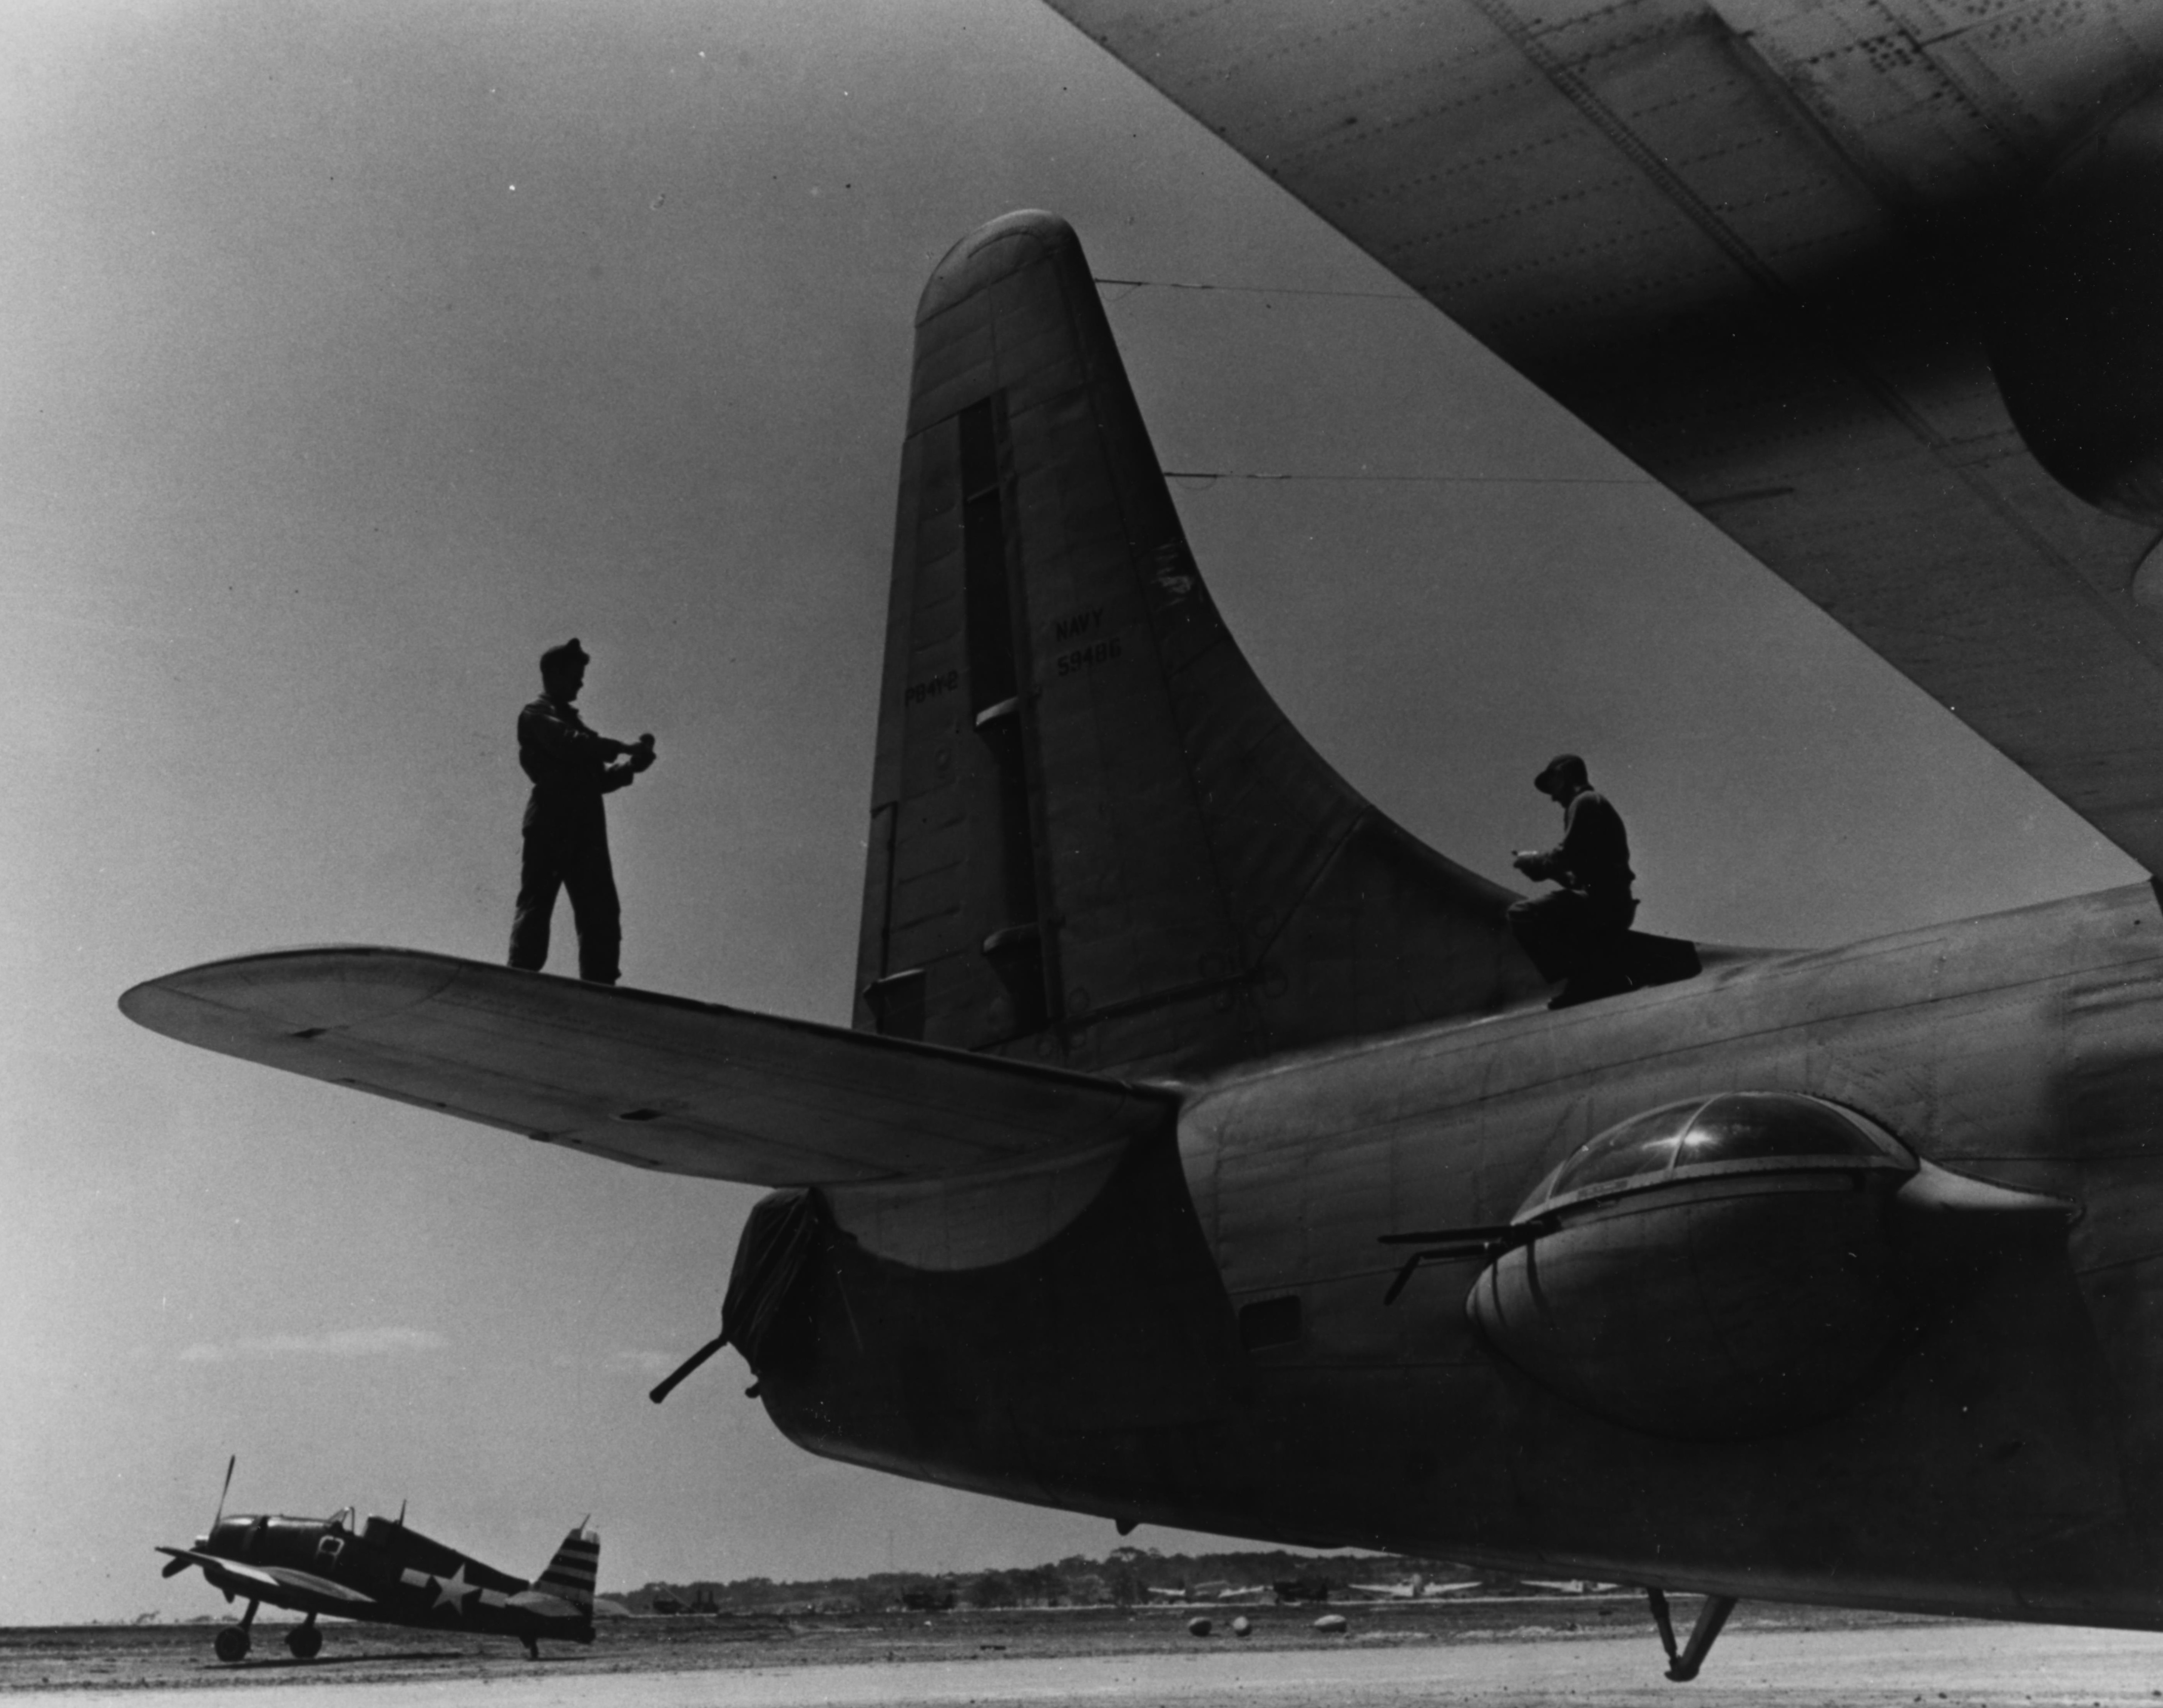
x,y
1576,932
566,829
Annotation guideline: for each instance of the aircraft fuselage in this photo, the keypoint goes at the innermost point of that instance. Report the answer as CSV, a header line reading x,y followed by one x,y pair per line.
x,y
2003,1456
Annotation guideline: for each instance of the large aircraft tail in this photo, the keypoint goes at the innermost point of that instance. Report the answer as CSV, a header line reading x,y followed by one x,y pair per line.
x,y
1095,839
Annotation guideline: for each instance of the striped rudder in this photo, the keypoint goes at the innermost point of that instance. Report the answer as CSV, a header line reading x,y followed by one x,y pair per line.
x,y
572,1573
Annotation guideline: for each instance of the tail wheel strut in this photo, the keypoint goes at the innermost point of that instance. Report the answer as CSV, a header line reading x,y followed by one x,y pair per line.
x,y
1682,1666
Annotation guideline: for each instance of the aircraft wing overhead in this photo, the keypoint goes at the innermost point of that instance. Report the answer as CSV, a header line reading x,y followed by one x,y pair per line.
x,y
1771,250
658,1082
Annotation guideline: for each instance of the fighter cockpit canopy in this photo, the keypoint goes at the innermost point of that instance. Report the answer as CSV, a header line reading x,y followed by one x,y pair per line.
x,y
1734,1132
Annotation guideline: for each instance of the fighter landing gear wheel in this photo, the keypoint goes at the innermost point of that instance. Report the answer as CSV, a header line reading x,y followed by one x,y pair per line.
x,y
304,1640
233,1643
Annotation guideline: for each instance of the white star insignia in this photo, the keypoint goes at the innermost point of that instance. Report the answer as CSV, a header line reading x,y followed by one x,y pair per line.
x,y
452,1591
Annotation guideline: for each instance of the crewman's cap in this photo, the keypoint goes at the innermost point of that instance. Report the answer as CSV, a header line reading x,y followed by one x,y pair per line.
x,y
1557,768
563,657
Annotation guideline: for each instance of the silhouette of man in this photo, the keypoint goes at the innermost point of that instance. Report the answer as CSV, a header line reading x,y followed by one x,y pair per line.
x,y
566,829
1575,933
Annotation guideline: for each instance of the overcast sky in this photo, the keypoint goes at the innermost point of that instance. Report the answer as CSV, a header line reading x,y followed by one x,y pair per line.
x,y
350,354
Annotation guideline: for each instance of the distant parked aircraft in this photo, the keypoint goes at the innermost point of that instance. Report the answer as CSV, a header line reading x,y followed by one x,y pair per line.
x,y
1417,1587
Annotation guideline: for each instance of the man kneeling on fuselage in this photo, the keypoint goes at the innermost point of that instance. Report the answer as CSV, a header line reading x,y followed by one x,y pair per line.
x,y
1574,935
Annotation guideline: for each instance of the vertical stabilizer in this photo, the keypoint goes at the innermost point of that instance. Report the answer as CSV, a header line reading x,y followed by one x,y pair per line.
x,y
1094,837
575,1570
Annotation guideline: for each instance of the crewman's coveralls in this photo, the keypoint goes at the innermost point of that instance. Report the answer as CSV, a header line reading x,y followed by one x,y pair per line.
x,y
566,839
1578,929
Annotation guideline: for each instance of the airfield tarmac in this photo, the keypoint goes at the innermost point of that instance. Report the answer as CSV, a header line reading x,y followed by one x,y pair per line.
x,y
1524,1654
1519,1653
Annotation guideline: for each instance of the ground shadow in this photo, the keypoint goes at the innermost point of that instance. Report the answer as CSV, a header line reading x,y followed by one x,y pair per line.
x,y
269,1662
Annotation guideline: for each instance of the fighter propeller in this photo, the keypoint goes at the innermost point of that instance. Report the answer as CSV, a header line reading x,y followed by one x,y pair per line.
x,y
179,1562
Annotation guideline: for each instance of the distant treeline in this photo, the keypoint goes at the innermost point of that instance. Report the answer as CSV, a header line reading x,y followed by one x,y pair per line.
x,y
1122,1578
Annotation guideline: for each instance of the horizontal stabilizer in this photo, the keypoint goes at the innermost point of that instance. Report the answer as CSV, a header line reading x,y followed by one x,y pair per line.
x,y
550,1606
656,1081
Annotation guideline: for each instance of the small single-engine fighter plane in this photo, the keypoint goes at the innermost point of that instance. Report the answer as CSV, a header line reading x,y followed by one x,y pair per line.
x,y
382,1571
